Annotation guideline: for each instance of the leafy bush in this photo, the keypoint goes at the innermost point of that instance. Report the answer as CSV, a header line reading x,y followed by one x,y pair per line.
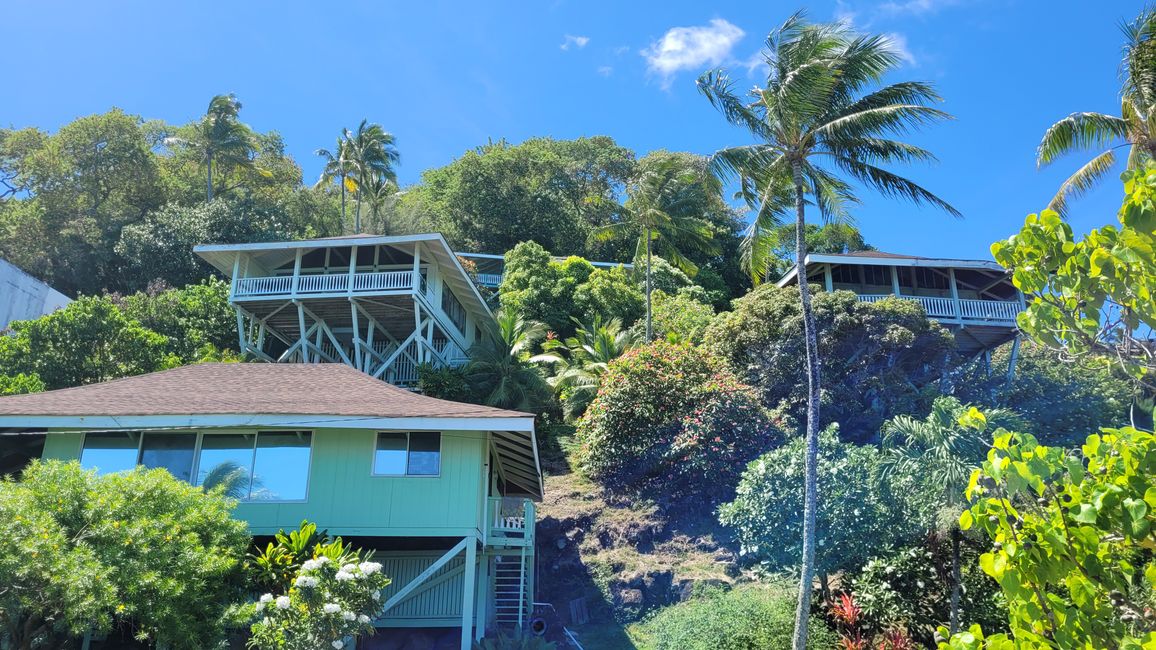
x,y
908,588
139,550
91,340
744,618
677,318
1062,400
878,358
20,384
609,293
197,319
858,512
665,417
443,382
1070,540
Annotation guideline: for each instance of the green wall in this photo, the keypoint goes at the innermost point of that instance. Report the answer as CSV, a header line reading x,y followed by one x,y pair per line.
x,y
346,499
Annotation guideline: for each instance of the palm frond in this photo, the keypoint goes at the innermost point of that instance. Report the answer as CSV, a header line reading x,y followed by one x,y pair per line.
x,y
1084,179
892,185
1080,131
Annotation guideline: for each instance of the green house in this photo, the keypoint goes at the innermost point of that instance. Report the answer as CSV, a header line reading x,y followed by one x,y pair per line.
x,y
443,491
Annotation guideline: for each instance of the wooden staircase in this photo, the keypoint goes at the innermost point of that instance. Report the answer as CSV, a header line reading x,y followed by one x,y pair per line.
x,y
513,597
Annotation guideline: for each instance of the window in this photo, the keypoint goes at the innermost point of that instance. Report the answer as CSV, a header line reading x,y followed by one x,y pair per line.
x,y
110,452
416,453
172,451
453,308
261,466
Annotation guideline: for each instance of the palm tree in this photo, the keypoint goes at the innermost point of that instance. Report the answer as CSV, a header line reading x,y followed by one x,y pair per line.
x,y
380,193
500,368
656,211
220,137
372,154
581,360
337,167
230,478
1132,129
942,453
820,113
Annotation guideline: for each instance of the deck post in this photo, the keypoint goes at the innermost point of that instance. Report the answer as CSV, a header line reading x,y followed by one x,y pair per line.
x,y
895,281
1013,356
827,280
469,575
955,295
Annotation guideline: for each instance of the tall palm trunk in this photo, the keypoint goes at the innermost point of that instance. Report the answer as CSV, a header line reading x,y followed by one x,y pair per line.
x,y
343,200
649,330
209,178
811,482
357,211
955,579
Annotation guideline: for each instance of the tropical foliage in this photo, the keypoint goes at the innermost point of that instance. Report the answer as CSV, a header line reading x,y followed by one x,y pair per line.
x,y
500,372
667,415
1132,128
135,550
879,359
1092,296
579,363
1068,534
862,513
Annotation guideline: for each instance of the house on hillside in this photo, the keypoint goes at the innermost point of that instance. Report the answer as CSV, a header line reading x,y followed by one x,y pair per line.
x,y
444,492
383,305
974,298
23,297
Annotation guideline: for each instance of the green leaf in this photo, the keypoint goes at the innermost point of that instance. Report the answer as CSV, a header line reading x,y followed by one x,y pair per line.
x,y
966,520
1136,508
1086,514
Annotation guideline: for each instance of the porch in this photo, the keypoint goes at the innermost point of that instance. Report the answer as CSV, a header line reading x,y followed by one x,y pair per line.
x,y
959,309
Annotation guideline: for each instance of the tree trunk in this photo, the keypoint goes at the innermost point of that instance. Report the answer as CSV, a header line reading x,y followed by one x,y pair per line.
x,y
649,329
357,211
343,201
811,482
209,179
955,579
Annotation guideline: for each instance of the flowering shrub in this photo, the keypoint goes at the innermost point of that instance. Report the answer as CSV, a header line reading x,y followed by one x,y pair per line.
x,y
667,416
328,605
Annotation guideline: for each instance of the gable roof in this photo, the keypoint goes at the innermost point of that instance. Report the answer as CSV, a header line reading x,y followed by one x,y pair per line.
x,y
233,395
247,388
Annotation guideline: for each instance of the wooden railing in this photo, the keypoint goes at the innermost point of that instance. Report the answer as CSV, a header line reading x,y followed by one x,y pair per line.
x,y
286,285
491,280
965,309
510,521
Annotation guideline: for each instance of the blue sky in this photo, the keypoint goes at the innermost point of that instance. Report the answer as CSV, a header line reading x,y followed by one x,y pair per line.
x,y
444,77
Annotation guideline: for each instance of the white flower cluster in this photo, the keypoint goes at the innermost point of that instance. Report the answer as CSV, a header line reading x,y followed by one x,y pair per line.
x,y
331,608
313,565
265,600
307,582
338,644
282,602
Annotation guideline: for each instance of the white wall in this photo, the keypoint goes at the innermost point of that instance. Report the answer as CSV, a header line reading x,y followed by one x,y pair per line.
x,y
23,297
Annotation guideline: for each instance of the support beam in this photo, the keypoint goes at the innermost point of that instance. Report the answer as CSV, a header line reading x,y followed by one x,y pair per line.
x,y
895,281
468,587
827,281
955,295
425,575
1013,356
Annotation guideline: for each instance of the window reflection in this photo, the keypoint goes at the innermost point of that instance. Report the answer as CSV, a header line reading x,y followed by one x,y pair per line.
x,y
390,456
281,466
425,452
110,452
417,453
172,451
226,461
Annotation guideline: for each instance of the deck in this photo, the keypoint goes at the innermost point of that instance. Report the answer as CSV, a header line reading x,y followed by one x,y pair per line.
x,y
961,310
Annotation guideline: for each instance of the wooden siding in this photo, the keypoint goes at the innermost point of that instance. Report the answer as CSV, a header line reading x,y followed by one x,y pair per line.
x,y
345,498
436,602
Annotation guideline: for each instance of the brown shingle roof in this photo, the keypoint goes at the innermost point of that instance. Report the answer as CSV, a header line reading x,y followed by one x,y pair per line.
x,y
246,388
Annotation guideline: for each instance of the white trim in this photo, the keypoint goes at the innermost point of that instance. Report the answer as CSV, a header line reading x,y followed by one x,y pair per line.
x,y
290,421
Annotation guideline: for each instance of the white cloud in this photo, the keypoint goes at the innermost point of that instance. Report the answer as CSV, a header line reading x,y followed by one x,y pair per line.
x,y
899,46
691,48
574,41
605,70
915,6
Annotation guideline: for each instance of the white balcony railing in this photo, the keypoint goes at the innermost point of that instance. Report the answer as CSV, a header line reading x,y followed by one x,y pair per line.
x,y
510,519
965,309
491,280
283,285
